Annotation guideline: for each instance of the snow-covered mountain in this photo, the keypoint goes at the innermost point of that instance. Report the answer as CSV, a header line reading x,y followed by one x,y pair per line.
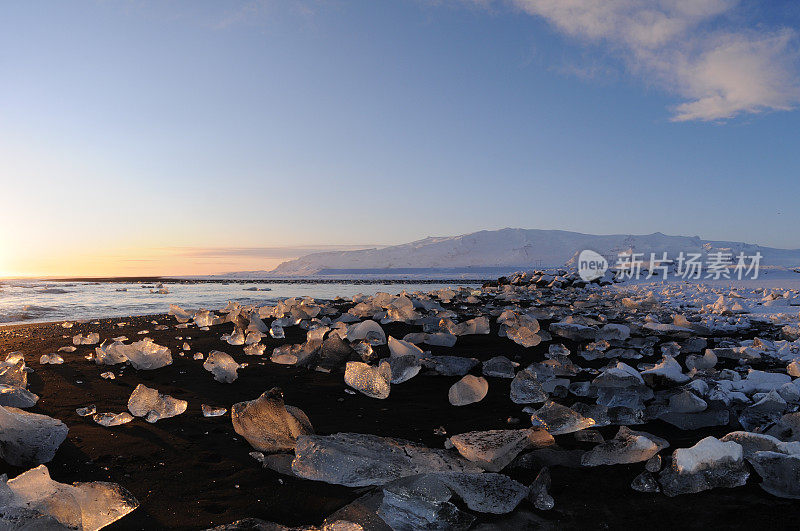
x,y
514,249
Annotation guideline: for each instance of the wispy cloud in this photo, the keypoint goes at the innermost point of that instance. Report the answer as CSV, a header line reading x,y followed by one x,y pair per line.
x,y
691,48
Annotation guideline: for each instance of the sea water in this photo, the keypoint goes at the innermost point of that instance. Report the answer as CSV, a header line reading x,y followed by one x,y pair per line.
x,y
43,301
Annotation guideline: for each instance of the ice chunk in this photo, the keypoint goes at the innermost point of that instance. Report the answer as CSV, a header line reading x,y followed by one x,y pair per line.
x,y
539,494
29,438
404,368
787,428
369,331
154,406
276,331
667,372
112,419
34,501
91,338
522,335
399,348
371,381
527,389
485,493
222,366
441,339
449,365
653,464
268,424
16,397
468,390
707,361
780,473
645,482
686,402
573,331
317,334
421,502
86,411
256,324
494,449
334,353
558,419
204,318
760,442
499,367
627,447
53,359
619,376
707,452
13,371
147,355
611,332
181,315
357,460
764,412
255,349
212,411
110,354
235,338
694,421
708,464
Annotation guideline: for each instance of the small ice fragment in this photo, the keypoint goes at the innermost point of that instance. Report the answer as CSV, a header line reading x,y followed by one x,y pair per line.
x,y
53,359
222,366
468,390
149,403
112,419
108,375
538,491
91,338
211,411
645,482
236,338
86,411
255,349
558,419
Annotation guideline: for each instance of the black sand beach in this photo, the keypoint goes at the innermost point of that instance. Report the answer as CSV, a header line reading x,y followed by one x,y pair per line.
x,y
191,472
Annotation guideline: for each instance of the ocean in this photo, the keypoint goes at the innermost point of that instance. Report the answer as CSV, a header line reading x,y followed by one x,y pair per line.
x,y
29,301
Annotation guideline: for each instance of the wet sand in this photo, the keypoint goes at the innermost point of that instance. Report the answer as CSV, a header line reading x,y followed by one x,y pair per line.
x,y
191,472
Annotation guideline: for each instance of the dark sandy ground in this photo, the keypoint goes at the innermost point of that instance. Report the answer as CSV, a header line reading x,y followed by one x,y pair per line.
x,y
191,472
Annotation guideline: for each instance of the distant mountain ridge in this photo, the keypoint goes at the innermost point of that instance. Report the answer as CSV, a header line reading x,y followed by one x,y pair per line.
x,y
514,249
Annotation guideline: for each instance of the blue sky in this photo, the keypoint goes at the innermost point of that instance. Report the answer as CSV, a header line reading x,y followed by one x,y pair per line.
x,y
133,133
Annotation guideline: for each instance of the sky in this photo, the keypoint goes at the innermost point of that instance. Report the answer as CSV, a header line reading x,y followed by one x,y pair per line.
x,y
188,137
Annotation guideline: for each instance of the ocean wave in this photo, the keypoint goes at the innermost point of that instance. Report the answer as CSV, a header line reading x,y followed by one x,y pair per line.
x,y
26,313
53,291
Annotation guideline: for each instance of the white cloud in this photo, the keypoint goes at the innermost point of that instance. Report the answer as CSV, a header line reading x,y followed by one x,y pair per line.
x,y
685,47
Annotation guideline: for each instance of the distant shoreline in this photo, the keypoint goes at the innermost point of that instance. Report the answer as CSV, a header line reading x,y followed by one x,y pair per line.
x,y
178,280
